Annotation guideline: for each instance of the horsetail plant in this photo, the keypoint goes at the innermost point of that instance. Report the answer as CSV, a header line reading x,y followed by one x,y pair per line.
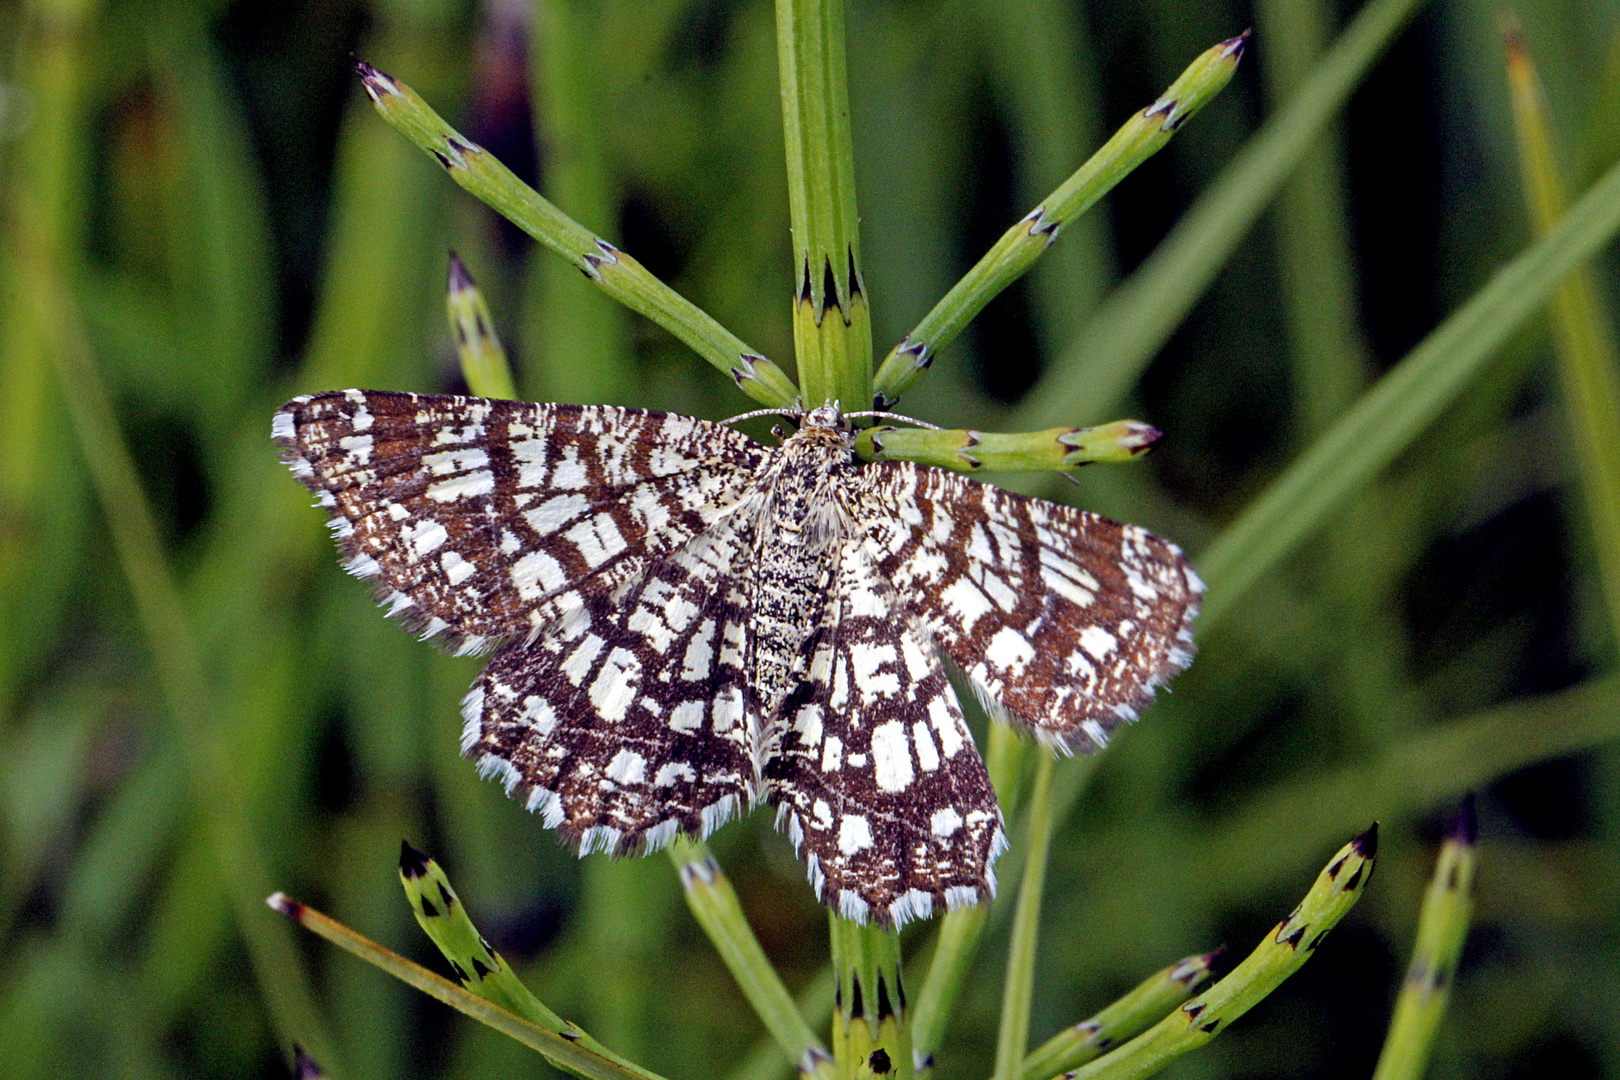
x,y
1448,906
875,1030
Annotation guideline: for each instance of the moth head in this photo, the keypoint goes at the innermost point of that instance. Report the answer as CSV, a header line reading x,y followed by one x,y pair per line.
x,y
827,417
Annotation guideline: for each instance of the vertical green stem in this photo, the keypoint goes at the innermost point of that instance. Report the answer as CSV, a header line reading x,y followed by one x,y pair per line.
x,y
961,930
871,1032
1448,907
832,331
832,339
1013,1038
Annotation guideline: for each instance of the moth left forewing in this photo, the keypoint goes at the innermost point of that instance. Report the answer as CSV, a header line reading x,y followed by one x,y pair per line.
x,y
875,774
484,520
1061,619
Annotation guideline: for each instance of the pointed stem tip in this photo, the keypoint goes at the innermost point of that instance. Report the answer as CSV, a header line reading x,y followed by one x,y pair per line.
x,y
280,901
304,1066
412,863
377,83
1367,843
460,279
1196,968
1465,823
1234,48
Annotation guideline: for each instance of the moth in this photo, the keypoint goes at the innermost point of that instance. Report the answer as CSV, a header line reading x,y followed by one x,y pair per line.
x,y
686,623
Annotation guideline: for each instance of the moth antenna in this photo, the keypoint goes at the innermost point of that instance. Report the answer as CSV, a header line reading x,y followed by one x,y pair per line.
x,y
792,414
894,416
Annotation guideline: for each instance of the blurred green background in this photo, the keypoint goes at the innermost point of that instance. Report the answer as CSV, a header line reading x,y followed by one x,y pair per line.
x,y
226,222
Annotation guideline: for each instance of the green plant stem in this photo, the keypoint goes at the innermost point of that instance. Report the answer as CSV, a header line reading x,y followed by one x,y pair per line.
x,y
1588,363
1283,952
559,1050
619,275
166,625
1019,987
815,1001
1056,449
1130,327
961,931
832,330
1022,245
715,906
1390,415
1135,1012
443,917
871,1022
1442,928
483,361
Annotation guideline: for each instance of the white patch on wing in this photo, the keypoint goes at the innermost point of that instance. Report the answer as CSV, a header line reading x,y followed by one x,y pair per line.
x,y
891,757
944,822
854,834
627,767
614,688
1009,651
1098,642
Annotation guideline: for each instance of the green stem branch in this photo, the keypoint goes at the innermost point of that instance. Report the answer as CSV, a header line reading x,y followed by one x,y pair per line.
x,y
1135,1012
715,906
1063,449
1283,952
442,916
1448,906
558,1049
619,275
1022,245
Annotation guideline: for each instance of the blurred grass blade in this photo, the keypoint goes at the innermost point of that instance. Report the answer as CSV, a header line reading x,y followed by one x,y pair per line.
x,y
483,361
715,906
1330,361
1135,1012
1283,952
617,273
559,1050
1018,987
1410,775
1124,334
1583,337
577,339
960,932
1021,246
1442,928
180,675
443,917
1056,449
1394,412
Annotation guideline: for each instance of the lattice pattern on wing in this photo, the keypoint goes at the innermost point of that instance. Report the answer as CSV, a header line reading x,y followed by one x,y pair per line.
x,y
487,520
873,768
625,724
1063,619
